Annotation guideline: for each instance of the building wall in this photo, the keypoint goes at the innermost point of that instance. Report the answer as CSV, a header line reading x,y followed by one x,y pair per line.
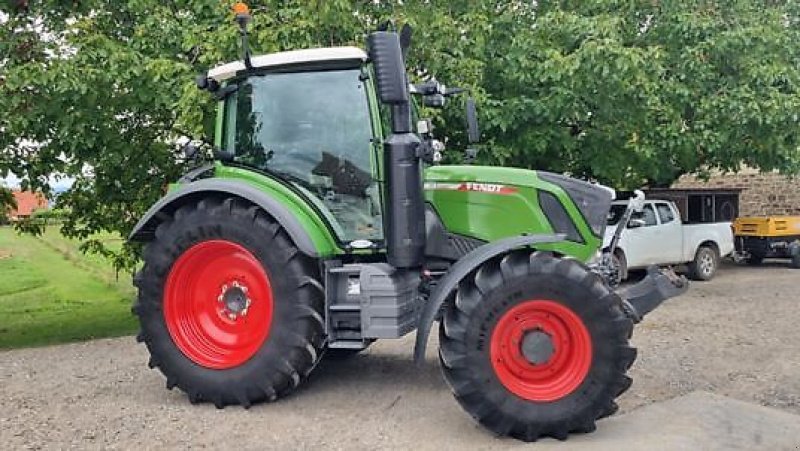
x,y
763,194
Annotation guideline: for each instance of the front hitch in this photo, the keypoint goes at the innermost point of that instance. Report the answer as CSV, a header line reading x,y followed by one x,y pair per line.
x,y
659,285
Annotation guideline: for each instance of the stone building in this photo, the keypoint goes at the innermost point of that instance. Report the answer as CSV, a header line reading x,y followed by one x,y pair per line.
x,y
763,194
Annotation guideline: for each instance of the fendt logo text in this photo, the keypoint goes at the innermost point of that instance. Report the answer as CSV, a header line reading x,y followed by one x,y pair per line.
x,y
491,188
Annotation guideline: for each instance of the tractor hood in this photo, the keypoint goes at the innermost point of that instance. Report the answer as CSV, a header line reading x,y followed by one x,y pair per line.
x,y
483,175
491,203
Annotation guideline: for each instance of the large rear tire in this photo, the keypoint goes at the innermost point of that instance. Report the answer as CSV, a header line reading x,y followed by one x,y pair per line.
x,y
536,346
230,310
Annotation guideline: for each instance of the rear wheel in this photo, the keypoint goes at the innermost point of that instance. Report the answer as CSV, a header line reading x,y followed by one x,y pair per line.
x,y
536,346
796,261
705,263
230,310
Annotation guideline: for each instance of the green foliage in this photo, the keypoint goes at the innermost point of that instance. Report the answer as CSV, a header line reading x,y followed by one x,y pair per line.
x,y
7,202
53,214
628,93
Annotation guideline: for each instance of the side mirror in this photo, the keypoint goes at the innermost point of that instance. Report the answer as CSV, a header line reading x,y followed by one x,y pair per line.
x,y
390,71
473,132
636,223
405,39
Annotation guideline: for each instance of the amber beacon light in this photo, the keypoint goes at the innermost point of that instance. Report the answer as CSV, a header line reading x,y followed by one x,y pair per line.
x,y
241,8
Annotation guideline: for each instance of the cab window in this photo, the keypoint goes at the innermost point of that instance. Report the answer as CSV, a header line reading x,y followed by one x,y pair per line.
x,y
665,213
314,130
648,215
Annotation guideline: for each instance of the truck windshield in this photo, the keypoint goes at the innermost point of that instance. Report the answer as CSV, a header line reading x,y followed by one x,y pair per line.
x,y
314,129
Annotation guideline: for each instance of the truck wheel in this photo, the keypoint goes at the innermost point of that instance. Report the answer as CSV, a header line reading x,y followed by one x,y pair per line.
x,y
230,310
621,265
536,346
796,261
705,263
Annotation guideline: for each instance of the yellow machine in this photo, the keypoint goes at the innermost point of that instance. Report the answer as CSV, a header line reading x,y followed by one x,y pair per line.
x,y
767,237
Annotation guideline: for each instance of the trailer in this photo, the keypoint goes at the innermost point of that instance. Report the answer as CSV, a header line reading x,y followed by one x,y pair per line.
x,y
757,238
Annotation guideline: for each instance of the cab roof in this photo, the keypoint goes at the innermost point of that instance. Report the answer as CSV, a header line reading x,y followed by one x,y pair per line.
x,y
294,57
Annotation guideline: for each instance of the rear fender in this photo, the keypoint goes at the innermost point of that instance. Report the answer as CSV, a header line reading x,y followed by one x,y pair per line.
x,y
145,228
448,283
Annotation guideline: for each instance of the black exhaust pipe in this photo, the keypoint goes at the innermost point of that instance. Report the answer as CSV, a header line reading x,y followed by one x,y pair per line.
x,y
404,213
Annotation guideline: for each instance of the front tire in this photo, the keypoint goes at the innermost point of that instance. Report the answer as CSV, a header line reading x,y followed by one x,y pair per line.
x,y
536,346
705,263
230,310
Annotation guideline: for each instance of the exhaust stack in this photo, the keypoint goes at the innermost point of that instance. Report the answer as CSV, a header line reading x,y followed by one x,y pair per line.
x,y
404,218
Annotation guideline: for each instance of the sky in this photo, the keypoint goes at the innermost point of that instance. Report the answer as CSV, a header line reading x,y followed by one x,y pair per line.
x,y
61,184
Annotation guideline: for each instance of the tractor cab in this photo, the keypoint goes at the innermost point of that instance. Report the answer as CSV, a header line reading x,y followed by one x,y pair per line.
x,y
309,118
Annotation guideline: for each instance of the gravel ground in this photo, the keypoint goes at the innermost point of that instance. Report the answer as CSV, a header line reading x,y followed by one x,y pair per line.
x,y
735,336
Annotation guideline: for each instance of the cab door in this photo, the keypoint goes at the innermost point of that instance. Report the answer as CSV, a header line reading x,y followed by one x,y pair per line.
x,y
669,235
641,247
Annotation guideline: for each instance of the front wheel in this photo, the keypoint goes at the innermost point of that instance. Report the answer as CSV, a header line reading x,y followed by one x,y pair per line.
x,y
621,268
536,346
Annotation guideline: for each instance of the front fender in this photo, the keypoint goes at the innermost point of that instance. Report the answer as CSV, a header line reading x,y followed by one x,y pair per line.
x,y
445,286
145,228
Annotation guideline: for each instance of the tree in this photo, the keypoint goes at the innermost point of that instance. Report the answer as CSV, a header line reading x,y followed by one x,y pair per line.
x,y
631,93
7,202
628,93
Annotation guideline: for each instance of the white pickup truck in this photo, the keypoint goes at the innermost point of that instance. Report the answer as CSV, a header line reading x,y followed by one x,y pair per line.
x,y
657,236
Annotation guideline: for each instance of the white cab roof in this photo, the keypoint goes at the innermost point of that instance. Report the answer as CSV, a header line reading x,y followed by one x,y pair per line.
x,y
226,71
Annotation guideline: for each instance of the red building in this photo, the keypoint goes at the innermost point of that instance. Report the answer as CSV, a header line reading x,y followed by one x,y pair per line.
x,y
27,203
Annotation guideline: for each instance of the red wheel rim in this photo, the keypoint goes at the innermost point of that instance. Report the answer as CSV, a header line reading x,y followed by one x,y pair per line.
x,y
568,362
202,324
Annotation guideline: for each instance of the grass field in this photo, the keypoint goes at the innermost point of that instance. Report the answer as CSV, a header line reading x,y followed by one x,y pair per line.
x,y
51,293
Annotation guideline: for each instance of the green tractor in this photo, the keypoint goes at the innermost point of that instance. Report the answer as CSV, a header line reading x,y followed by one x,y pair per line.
x,y
324,224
